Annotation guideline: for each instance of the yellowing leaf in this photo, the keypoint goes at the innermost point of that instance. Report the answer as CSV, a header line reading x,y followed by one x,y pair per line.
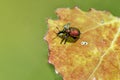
x,y
95,55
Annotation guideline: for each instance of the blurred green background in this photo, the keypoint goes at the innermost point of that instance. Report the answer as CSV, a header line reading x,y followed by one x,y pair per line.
x,y
23,52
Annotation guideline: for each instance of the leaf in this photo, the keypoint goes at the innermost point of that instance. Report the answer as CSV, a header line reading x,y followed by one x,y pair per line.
x,y
95,55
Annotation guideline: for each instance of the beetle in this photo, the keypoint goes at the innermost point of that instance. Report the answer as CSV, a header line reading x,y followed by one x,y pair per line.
x,y
68,32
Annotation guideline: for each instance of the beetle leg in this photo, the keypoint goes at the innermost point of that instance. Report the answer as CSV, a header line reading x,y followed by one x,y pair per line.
x,y
65,41
62,40
66,37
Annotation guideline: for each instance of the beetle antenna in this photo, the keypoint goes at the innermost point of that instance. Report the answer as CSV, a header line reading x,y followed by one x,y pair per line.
x,y
57,28
55,36
55,32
